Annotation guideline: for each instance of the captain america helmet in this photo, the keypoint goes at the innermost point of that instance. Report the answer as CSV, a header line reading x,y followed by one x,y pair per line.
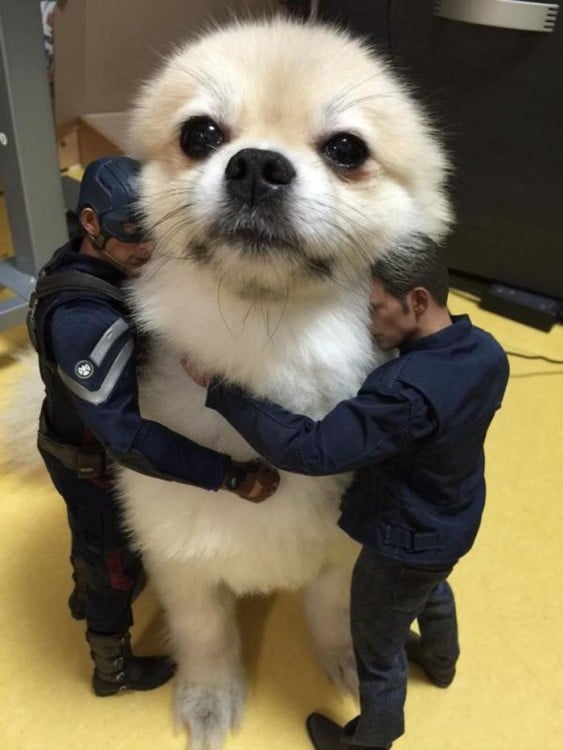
x,y
110,187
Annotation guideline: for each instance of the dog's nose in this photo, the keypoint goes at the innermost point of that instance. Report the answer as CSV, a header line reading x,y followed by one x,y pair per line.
x,y
254,174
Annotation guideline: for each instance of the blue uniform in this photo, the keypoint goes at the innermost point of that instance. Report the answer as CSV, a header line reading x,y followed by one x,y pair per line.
x,y
88,363
414,434
92,342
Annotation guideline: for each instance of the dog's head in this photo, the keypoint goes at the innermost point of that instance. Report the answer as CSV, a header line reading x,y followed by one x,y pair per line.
x,y
283,156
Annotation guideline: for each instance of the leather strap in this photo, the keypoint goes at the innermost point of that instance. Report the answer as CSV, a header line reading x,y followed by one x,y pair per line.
x,y
86,463
411,540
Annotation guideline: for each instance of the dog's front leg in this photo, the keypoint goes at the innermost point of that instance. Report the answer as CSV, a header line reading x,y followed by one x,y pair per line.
x,y
327,603
210,685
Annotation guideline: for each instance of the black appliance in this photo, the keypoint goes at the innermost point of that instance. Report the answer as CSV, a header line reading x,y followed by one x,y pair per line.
x,y
495,89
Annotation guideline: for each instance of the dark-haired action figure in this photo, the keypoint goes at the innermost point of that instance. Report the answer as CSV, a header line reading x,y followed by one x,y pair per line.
x,y
414,434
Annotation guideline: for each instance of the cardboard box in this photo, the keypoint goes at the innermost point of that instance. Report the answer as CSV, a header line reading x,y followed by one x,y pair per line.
x,y
101,134
67,145
90,137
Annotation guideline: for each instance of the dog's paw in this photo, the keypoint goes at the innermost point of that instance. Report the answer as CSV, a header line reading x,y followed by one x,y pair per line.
x,y
209,712
339,665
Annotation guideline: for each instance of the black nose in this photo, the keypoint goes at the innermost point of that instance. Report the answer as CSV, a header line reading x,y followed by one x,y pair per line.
x,y
255,174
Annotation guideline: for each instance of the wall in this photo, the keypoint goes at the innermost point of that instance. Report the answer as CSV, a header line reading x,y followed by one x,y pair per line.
x,y
104,48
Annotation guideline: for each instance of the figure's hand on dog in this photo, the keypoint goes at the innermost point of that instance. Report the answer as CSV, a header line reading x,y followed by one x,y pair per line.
x,y
198,376
252,480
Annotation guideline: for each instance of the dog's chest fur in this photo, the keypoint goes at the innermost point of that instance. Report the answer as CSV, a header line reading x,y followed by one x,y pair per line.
x,y
306,355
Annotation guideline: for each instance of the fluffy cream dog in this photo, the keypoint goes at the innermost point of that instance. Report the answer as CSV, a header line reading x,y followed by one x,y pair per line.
x,y
281,160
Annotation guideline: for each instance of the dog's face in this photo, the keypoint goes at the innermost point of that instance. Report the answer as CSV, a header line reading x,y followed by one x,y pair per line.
x,y
281,156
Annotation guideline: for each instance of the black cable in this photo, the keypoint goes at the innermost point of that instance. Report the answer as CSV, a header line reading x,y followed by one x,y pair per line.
x,y
535,356
550,360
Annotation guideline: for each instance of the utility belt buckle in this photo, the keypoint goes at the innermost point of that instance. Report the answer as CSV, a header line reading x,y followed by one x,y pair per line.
x,y
89,465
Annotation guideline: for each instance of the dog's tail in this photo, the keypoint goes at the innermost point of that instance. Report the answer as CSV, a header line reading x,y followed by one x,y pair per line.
x,y
20,403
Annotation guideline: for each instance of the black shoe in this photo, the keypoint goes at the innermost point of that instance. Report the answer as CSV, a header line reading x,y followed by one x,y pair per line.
x,y
325,734
442,678
77,598
117,669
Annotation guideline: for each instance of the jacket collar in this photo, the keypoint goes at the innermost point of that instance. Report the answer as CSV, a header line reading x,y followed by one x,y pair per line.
x,y
72,257
460,327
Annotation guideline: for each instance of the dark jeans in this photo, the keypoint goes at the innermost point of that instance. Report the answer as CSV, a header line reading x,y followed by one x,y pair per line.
x,y
387,596
100,549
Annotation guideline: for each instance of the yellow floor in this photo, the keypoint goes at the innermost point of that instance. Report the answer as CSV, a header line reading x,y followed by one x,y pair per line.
x,y
508,694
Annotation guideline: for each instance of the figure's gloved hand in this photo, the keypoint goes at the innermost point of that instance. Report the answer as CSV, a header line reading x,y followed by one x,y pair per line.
x,y
254,480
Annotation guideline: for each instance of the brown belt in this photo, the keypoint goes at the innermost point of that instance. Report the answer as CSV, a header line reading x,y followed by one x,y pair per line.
x,y
86,463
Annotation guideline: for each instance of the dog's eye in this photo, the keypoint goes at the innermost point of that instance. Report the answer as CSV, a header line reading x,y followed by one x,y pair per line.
x,y
346,150
200,136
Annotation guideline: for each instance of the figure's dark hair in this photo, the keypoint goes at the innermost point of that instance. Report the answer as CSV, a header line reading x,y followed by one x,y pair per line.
x,y
417,262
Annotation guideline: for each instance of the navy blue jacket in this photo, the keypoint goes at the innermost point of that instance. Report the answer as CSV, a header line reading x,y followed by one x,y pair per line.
x,y
415,435
93,386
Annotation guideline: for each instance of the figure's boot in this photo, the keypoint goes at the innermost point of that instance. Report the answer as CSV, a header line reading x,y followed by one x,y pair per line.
x,y
442,676
117,669
77,598
325,734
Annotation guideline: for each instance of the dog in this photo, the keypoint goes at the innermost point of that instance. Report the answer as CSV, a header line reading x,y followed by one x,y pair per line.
x,y
280,161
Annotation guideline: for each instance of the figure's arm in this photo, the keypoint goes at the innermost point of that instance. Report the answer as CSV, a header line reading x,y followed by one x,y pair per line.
x,y
371,427
95,353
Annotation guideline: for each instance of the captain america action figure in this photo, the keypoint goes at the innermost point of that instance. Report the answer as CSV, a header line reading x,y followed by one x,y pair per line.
x,y
87,344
